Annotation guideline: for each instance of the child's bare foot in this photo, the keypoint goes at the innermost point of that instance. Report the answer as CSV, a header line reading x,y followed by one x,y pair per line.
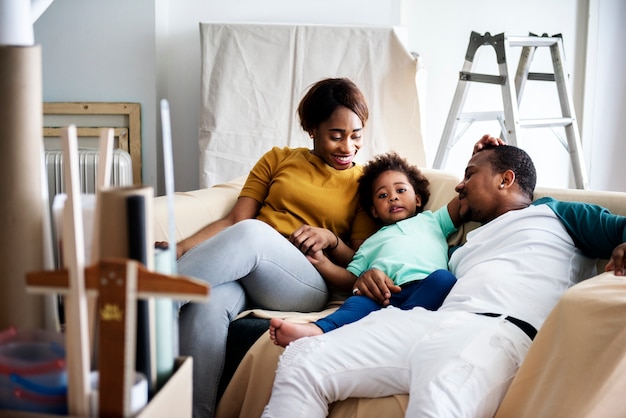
x,y
283,332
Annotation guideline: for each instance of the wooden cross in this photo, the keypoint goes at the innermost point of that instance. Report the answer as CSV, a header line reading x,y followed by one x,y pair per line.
x,y
119,283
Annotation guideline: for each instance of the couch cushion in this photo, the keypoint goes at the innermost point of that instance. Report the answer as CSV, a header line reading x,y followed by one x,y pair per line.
x,y
195,209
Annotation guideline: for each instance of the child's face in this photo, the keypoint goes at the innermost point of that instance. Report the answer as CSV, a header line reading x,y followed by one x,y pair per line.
x,y
394,197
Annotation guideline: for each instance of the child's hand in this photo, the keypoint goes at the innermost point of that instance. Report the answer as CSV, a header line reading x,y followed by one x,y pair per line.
x,y
375,285
317,257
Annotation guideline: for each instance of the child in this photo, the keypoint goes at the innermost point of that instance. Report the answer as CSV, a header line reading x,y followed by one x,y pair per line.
x,y
411,248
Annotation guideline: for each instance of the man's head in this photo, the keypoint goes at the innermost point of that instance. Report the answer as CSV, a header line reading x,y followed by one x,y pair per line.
x,y
497,179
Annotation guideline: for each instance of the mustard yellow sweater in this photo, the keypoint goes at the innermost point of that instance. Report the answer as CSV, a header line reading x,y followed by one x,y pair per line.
x,y
296,187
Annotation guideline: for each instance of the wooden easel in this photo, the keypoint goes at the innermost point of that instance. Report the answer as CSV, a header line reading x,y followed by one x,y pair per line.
x,y
118,283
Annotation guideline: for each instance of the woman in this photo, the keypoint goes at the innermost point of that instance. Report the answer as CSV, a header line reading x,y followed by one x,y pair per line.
x,y
295,201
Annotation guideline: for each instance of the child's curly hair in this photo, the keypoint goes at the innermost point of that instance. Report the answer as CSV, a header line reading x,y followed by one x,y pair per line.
x,y
391,161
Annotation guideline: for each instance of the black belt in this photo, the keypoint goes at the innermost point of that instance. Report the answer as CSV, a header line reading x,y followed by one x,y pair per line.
x,y
523,325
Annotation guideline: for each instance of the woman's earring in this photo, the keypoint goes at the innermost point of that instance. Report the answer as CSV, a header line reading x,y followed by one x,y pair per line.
x,y
501,186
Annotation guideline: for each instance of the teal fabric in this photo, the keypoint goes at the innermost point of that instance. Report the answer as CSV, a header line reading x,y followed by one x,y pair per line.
x,y
408,250
595,230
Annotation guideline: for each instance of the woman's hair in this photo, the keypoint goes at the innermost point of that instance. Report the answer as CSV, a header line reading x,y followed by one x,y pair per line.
x,y
517,160
327,95
391,162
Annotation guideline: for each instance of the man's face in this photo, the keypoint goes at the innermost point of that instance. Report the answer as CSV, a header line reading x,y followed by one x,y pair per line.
x,y
478,191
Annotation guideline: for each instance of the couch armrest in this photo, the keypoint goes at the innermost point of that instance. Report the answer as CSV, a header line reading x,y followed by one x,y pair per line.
x,y
195,209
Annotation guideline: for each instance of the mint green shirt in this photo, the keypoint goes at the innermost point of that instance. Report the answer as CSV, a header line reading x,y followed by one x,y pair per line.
x,y
407,250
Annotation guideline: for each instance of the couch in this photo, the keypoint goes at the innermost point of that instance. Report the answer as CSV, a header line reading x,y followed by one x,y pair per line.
x,y
250,386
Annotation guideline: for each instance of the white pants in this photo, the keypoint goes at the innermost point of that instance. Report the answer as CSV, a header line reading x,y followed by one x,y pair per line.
x,y
452,364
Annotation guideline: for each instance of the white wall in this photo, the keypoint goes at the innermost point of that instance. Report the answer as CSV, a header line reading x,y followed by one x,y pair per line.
x,y
440,31
102,51
115,50
605,90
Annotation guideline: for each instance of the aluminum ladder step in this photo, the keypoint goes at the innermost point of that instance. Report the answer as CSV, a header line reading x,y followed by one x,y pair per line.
x,y
512,93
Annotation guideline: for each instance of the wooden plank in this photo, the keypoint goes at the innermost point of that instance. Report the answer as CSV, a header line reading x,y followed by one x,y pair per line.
x,y
151,284
134,124
117,311
77,332
93,132
130,110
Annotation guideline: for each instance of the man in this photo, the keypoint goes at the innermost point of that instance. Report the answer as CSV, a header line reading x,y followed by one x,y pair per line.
x,y
459,361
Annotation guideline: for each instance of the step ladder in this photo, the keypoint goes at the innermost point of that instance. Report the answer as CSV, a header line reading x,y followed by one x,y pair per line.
x,y
508,119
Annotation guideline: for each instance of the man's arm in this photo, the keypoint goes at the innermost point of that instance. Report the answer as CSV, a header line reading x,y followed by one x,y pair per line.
x,y
595,231
453,211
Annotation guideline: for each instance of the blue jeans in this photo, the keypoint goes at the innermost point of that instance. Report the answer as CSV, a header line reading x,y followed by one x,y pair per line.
x,y
247,265
428,293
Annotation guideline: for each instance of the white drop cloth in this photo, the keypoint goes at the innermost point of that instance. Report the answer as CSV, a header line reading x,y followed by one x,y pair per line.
x,y
254,75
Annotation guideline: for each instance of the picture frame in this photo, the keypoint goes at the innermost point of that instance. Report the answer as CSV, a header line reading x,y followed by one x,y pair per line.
x,y
90,117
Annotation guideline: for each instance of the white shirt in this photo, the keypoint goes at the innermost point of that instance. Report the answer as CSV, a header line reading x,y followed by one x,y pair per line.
x,y
519,264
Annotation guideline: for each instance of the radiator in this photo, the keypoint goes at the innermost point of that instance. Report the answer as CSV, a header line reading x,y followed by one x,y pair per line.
x,y
121,173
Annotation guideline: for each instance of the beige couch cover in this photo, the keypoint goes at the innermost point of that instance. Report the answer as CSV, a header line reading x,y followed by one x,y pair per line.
x,y
576,366
250,387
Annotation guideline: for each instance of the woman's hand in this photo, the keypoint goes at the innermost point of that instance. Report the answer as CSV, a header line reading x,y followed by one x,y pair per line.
x,y
376,285
164,245
310,239
617,263
487,140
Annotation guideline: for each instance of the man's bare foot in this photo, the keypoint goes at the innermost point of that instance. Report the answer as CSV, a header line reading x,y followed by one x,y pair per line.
x,y
283,332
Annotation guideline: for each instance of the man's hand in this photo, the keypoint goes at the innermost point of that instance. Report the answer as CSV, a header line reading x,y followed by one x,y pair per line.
x,y
376,285
618,260
487,140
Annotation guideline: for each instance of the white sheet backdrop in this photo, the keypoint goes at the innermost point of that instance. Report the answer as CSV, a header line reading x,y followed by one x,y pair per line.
x,y
254,75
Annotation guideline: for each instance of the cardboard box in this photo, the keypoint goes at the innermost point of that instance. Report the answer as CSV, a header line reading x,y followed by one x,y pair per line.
x,y
173,400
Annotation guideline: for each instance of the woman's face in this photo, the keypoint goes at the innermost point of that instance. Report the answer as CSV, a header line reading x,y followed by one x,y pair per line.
x,y
338,139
